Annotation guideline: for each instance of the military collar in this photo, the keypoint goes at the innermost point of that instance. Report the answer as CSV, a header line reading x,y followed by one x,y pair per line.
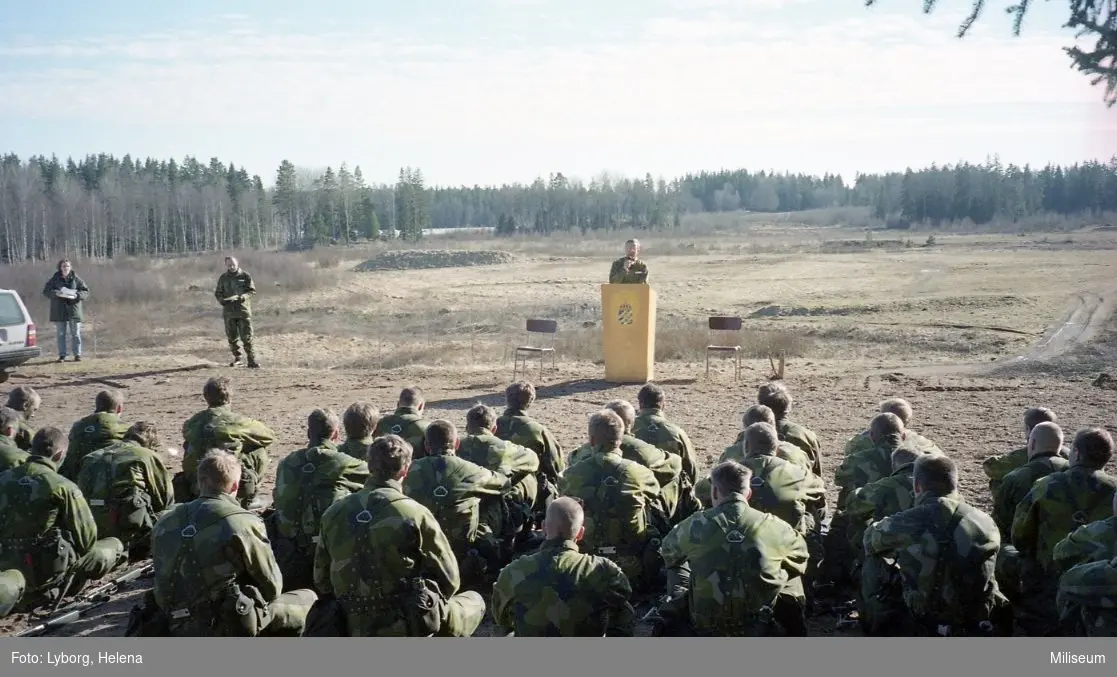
x,y
602,449
43,460
1046,455
323,444
650,411
552,544
219,495
928,497
377,483
404,411
511,411
905,469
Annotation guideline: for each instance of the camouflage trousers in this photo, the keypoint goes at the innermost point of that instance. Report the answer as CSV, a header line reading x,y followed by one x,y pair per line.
x,y
106,555
285,616
240,328
462,615
12,587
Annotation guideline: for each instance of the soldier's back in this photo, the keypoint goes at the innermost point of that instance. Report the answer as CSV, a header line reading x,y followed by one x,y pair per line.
x,y
1087,599
93,432
11,456
1066,500
309,481
778,488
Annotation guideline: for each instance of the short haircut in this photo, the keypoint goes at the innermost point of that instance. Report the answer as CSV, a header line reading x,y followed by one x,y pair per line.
x,y
651,396
218,391
1094,446
936,474
48,441
759,413
480,417
632,241
411,396
388,456
441,435
520,395
1048,438
776,397
25,400
108,401
902,456
360,419
886,427
761,439
730,477
1036,415
898,406
322,424
143,433
61,261
9,418
625,410
606,428
566,516
217,470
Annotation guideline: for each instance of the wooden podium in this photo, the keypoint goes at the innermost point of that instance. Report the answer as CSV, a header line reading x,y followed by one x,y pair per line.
x,y
628,323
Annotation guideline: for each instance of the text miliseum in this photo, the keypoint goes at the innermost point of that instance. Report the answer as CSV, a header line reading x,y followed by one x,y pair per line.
x,y
1068,658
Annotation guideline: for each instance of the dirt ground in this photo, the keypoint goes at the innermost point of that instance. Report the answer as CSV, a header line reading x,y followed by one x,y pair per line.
x,y
972,332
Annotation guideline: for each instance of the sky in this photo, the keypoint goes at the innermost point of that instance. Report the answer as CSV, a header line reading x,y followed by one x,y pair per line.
x,y
500,91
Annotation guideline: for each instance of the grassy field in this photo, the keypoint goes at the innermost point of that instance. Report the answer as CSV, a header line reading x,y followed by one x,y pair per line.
x,y
973,328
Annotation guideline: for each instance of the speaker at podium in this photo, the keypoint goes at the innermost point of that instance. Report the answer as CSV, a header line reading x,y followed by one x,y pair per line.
x,y
628,322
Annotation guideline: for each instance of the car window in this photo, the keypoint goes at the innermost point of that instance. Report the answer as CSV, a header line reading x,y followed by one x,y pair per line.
x,y
10,312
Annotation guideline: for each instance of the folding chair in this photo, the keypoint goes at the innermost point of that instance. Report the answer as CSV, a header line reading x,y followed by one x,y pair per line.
x,y
544,327
724,324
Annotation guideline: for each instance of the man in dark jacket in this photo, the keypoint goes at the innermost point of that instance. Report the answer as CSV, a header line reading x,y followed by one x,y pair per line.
x,y
66,292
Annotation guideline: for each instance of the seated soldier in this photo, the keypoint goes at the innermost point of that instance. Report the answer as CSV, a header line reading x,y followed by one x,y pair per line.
x,y
215,574
453,490
558,591
652,426
776,397
734,571
10,454
96,431
307,482
622,500
943,553
1044,445
666,467
1087,599
518,463
128,488
779,488
407,420
862,441
359,420
996,467
218,427
882,498
48,532
1091,542
515,425
26,401
758,413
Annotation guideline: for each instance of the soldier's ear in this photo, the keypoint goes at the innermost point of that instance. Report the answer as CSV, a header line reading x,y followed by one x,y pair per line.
x,y
457,444
581,532
493,429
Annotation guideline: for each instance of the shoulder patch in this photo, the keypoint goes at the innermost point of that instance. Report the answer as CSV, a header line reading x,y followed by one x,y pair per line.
x,y
734,536
397,429
757,481
90,428
440,491
610,481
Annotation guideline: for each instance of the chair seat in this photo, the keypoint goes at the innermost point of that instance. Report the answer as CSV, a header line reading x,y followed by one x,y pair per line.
x,y
533,349
726,348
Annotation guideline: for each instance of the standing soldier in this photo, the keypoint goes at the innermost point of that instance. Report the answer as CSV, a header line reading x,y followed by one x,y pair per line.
x,y
629,269
234,288
66,292
96,431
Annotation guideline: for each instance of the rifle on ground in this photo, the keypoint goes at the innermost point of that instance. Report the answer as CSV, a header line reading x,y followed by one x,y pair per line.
x,y
85,603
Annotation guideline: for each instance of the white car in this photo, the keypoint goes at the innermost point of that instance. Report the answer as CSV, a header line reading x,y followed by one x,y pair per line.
x,y
18,342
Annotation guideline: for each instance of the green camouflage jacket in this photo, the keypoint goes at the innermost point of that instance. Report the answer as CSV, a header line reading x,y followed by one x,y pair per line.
x,y
877,500
127,487
24,435
309,481
1088,543
946,551
1014,486
453,489
234,292
863,442
558,591
637,272
803,438
372,544
1087,599
516,462
517,427
664,465
356,448
862,468
11,455
653,427
221,428
740,559
47,525
1055,506
785,490
89,434
409,424
785,450
996,467
200,550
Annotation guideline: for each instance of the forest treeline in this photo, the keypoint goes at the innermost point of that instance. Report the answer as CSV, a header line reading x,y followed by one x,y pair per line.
x,y
102,206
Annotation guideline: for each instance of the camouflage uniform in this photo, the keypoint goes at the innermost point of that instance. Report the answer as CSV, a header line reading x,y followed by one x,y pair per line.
x,y
409,424
666,467
24,434
1091,542
944,553
558,591
128,488
862,468
803,438
877,500
624,518
520,465
375,545
454,491
216,576
736,452
1014,486
735,567
997,467
87,435
307,482
49,534
862,441
12,588
786,491
234,292
11,455
653,427
517,427
637,273
358,449
219,427
1087,599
